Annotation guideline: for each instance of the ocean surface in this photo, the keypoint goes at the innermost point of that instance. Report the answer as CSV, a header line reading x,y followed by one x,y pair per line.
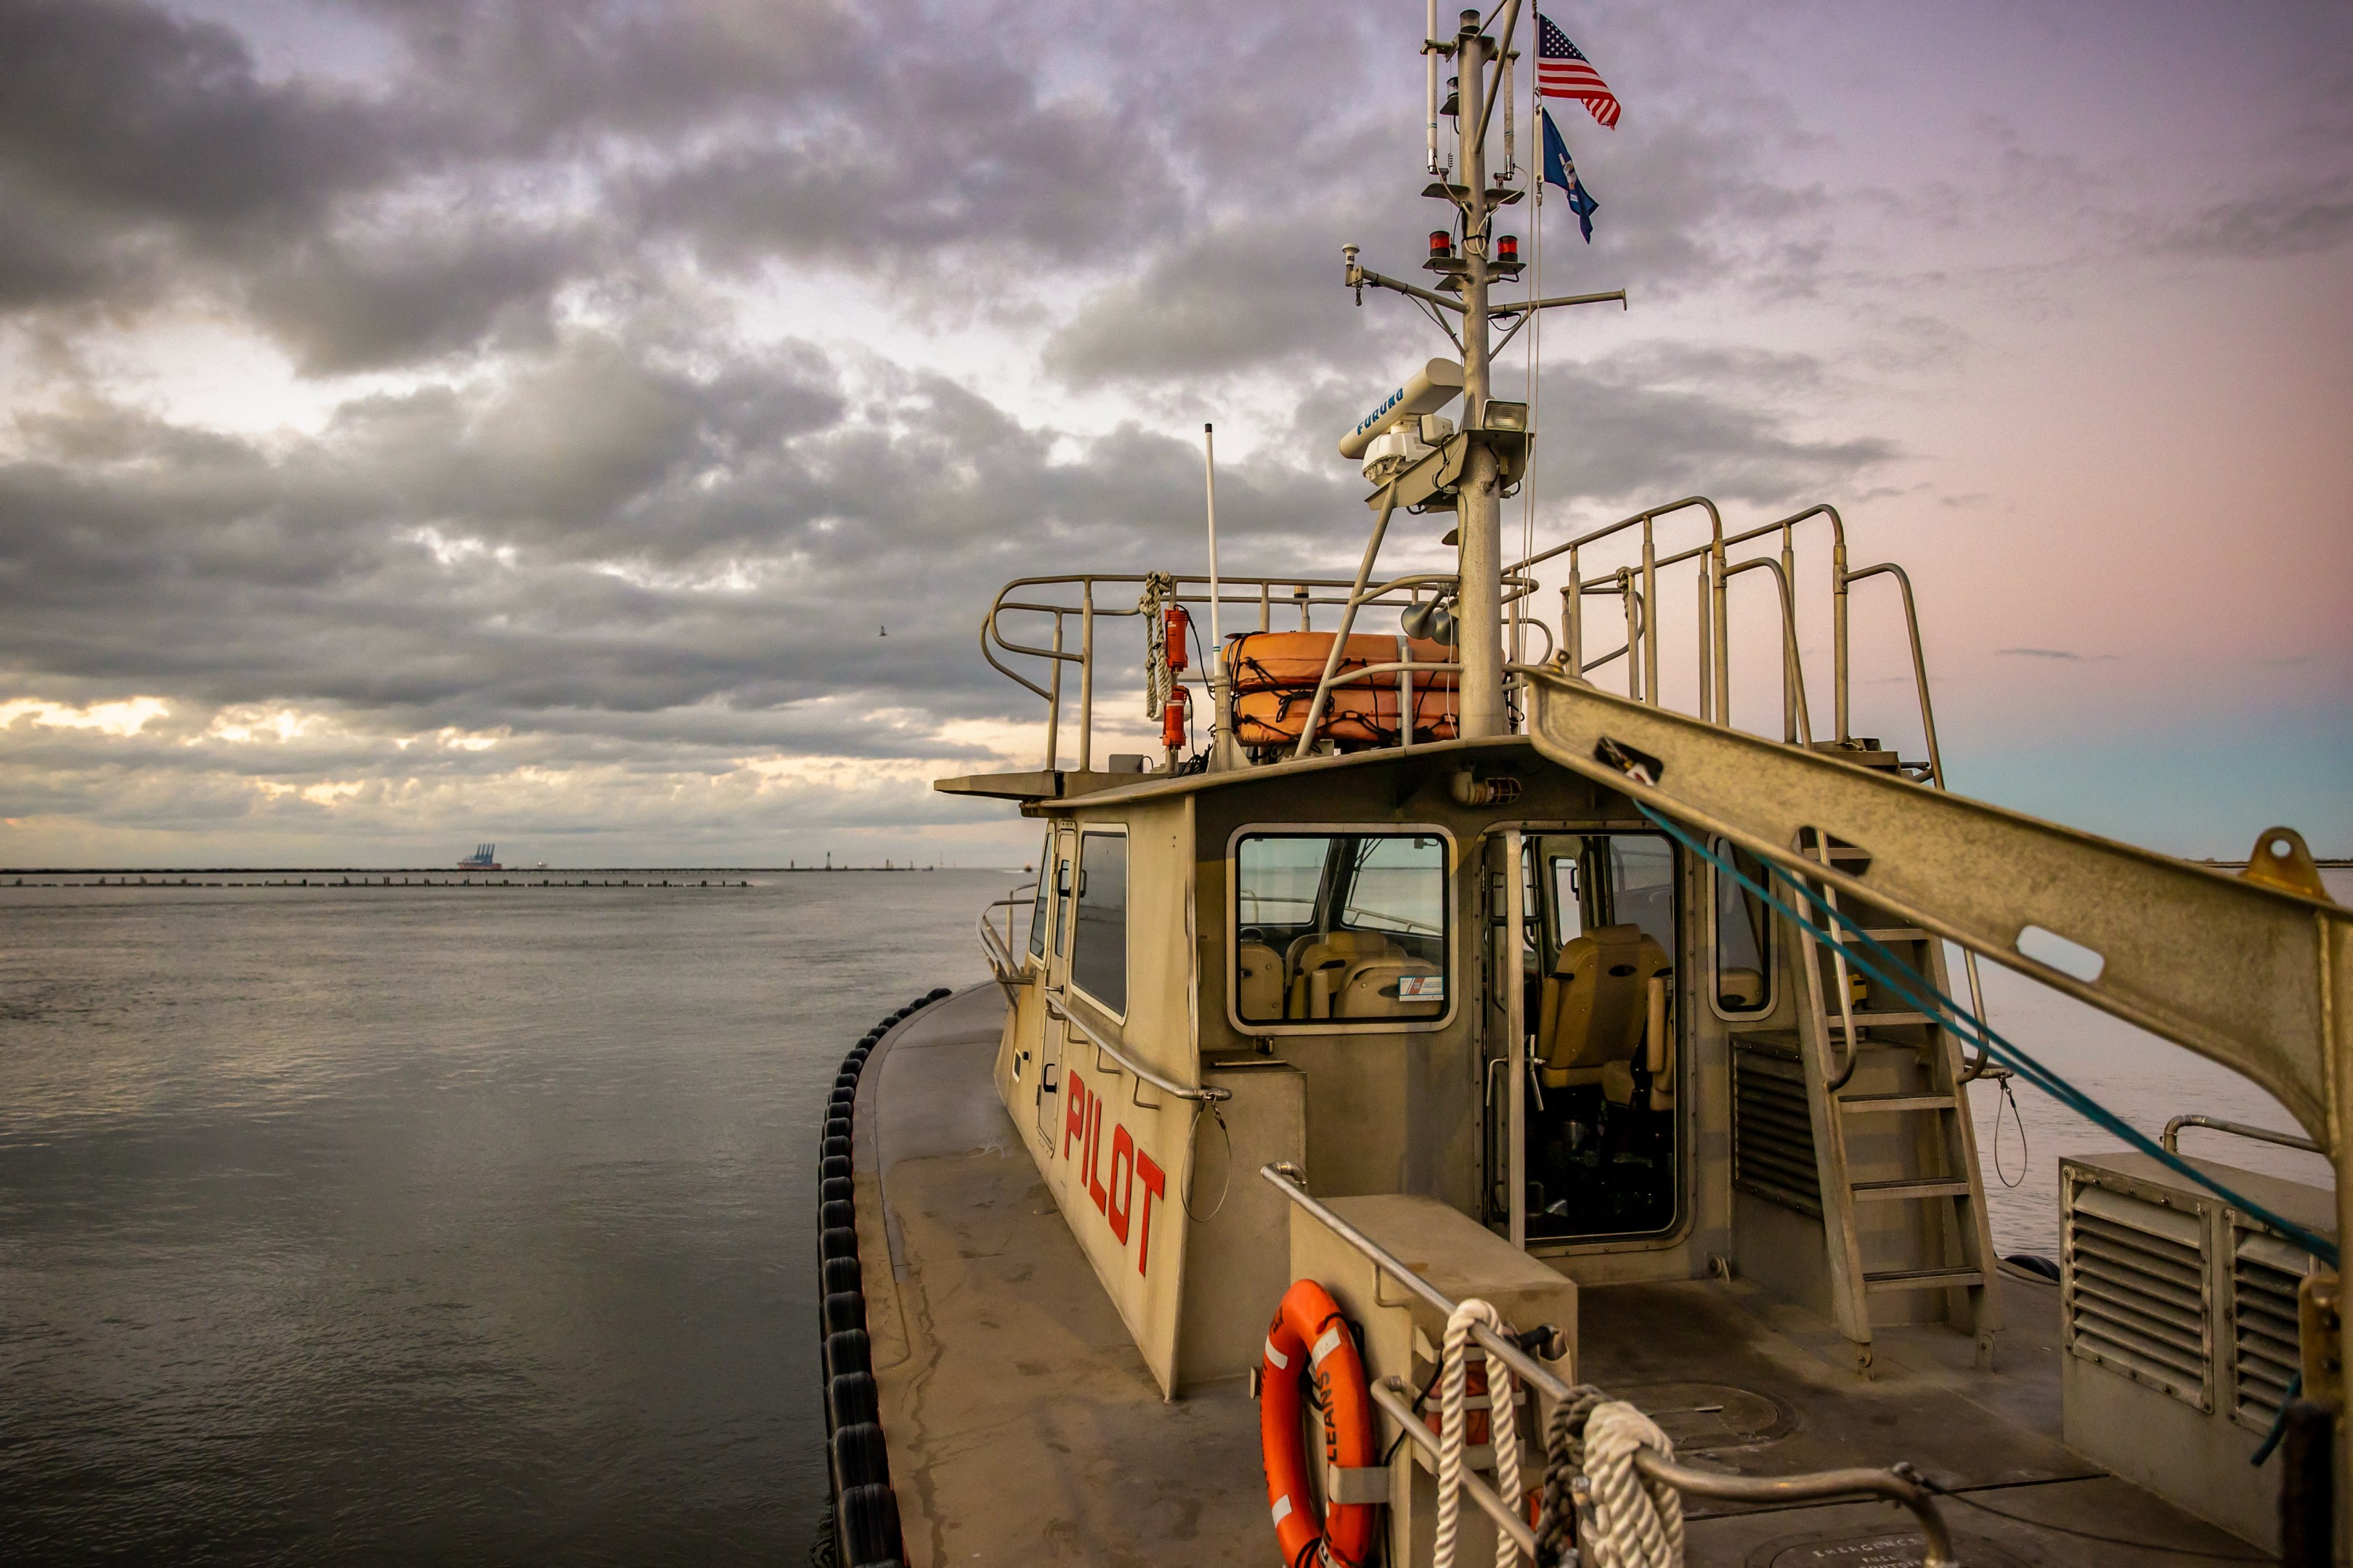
x,y
429,1225
475,1225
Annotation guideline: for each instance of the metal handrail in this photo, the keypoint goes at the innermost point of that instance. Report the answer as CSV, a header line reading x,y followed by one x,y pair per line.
x,y
992,946
999,950
1797,719
1893,1484
1572,640
1058,1008
2172,1136
1919,663
1305,593
1638,583
1389,1393
1287,1179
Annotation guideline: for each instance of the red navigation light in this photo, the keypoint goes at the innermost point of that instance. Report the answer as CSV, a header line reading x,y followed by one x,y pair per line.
x,y
1507,247
1440,243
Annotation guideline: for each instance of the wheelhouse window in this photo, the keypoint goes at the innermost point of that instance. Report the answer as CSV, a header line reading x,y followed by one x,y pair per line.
x,y
1743,938
1340,926
1099,950
1596,880
1039,904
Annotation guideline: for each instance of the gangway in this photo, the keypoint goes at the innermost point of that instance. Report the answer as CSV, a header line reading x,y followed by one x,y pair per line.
x,y
2254,971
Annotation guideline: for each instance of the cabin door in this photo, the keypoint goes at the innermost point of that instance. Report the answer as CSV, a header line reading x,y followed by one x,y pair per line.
x,y
1059,871
1585,1043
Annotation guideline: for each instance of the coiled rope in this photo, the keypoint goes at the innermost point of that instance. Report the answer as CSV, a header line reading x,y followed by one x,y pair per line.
x,y
1623,1520
1502,1429
1564,1463
1637,1522
1159,593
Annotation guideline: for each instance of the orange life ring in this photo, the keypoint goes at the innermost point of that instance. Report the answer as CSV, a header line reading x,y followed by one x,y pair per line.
x,y
1308,1339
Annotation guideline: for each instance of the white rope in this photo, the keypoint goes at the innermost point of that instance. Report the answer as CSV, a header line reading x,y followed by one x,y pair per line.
x,y
1637,1523
1159,592
1503,1428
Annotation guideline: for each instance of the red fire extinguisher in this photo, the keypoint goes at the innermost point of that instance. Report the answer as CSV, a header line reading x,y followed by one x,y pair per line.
x,y
1172,716
1177,627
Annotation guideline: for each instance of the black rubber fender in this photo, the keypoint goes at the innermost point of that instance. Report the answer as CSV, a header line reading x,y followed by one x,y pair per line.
x,y
850,1397
843,1310
847,1351
870,1526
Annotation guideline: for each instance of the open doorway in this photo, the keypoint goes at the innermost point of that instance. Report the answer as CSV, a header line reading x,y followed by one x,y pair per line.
x,y
1602,1155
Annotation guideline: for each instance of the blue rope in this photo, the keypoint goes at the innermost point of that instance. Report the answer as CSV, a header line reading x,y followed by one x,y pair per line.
x,y
1924,995
2279,1422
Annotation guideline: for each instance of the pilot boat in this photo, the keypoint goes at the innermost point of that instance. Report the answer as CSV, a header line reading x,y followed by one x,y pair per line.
x,y
1485,1104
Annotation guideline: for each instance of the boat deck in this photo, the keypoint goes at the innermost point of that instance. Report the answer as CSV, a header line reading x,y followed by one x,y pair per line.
x,y
1024,1428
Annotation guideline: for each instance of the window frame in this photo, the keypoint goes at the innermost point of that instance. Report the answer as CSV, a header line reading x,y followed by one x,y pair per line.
x,y
1078,863
1037,949
1450,941
1716,949
1066,887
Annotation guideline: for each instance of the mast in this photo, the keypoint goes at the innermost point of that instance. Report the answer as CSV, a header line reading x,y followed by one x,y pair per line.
x,y
1479,515
1492,445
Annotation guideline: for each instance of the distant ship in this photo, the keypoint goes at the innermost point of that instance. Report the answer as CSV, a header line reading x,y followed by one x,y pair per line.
x,y
483,859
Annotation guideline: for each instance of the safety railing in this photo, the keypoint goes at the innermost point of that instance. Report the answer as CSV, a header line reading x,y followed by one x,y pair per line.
x,y
1637,588
1071,604
1003,952
1056,1008
1896,1484
2172,1136
1714,564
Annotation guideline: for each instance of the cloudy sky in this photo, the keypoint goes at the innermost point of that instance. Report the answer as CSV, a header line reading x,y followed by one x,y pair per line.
x,y
426,421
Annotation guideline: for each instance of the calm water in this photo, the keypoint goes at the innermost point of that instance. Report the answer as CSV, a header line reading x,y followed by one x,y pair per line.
x,y
475,1225
416,1224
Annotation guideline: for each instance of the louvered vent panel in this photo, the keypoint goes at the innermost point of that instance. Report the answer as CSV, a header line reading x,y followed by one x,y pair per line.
x,y
2137,1290
1773,1131
2263,1356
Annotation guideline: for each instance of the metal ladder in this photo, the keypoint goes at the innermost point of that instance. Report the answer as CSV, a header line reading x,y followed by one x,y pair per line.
x,y
1903,1198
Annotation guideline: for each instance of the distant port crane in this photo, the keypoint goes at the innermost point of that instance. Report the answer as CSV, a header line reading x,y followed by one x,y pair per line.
x,y
483,859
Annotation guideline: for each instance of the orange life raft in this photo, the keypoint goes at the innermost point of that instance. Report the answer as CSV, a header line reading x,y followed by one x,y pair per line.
x,y
1276,675
1309,1341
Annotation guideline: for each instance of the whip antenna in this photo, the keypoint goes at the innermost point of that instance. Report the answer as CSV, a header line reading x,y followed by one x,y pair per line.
x,y
1218,720
1429,89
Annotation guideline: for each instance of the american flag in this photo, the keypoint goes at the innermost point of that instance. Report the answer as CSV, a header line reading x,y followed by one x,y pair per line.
x,y
1563,72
